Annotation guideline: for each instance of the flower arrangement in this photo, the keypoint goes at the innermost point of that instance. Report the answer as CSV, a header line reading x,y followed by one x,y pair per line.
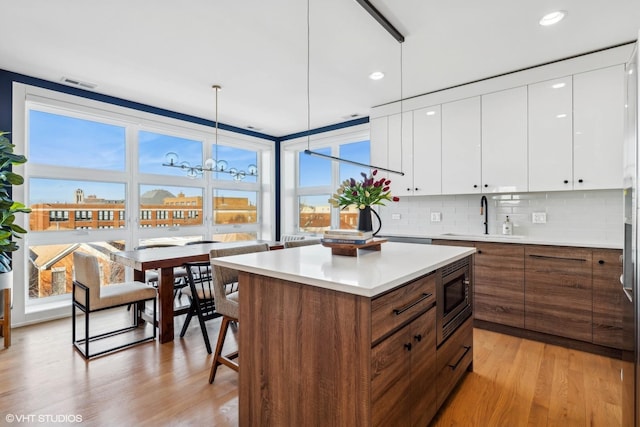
x,y
363,193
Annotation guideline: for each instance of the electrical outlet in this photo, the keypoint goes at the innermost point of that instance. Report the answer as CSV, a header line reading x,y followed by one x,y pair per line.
x,y
395,216
539,217
436,216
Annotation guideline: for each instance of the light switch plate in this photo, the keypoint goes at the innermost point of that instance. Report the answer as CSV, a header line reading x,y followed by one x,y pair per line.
x,y
436,216
395,216
539,217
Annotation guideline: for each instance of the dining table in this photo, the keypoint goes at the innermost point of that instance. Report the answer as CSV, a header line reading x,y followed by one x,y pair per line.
x,y
165,259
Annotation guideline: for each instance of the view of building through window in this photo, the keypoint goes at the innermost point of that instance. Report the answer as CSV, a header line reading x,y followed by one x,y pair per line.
x,y
77,181
316,176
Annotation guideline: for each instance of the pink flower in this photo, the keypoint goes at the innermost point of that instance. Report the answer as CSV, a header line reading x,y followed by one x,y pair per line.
x,y
375,172
396,199
385,189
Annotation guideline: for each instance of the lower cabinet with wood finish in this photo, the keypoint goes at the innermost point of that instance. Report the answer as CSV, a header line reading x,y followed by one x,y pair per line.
x,y
403,367
561,291
383,367
453,358
559,294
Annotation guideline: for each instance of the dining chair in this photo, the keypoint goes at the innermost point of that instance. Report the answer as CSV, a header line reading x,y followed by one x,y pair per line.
x,y
304,242
227,304
201,297
89,296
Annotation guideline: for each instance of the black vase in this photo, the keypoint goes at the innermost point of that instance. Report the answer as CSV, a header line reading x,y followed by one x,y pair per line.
x,y
364,220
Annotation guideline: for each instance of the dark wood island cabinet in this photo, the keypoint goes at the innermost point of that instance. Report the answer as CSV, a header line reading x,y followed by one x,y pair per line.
x,y
335,340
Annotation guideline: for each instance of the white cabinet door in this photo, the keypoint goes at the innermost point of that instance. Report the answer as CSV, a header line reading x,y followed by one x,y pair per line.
x,y
461,146
598,121
504,141
401,153
379,144
551,135
427,161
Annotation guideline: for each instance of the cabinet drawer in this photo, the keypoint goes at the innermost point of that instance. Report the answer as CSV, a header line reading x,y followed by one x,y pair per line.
x,y
453,358
392,310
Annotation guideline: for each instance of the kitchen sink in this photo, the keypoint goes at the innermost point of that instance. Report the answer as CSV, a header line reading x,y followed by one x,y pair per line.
x,y
462,236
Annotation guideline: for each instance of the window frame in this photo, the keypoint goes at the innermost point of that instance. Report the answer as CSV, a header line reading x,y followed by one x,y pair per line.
x,y
26,97
291,169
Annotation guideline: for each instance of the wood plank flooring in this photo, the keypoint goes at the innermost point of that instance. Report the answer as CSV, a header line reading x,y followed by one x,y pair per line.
x,y
516,382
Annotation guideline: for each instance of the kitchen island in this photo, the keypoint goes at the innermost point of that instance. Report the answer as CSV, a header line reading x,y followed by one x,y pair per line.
x,y
338,340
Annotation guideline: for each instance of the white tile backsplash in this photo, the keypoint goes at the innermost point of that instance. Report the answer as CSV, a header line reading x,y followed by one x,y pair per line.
x,y
571,215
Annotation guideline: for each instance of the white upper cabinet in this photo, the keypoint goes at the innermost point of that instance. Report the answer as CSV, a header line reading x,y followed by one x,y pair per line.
x,y
427,161
461,147
504,141
551,135
400,153
598,124
378,136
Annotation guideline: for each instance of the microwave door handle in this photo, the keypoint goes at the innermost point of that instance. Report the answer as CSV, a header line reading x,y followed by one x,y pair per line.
x,y
627,292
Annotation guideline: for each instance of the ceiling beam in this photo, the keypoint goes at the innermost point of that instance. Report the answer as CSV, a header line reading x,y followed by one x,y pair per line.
x,y
371,9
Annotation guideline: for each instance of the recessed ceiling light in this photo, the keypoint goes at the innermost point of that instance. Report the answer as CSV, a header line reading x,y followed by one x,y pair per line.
x,y
553,18
558,85
431,113
561,116
376,75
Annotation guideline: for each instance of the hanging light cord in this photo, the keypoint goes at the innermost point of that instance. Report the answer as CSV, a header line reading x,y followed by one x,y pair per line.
x,y
217,89
326,156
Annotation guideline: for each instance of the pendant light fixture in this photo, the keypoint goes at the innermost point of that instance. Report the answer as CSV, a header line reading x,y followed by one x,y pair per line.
x,y
396,34
211,164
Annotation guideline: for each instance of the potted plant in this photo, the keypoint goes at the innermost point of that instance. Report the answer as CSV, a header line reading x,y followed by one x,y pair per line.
x,y
9,230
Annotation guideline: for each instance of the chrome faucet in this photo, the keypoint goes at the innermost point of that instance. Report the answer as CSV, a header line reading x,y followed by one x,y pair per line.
x,y
484,209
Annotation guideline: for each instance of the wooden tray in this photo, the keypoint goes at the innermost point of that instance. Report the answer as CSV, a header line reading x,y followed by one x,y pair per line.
x,y
352,250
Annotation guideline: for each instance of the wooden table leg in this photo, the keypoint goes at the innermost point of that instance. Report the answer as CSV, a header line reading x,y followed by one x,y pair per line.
x,y
165,305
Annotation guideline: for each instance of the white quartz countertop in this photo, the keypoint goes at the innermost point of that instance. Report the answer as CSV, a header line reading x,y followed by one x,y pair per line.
x,y
520,239
369,274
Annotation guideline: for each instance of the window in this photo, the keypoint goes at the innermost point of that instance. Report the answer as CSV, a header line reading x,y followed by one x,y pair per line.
x,y
153,148
240,164
235,207
318,178
96,183
58,205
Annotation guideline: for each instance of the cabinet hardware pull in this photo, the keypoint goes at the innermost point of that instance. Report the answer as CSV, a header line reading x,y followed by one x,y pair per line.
x,y
408,346
466,350
601,262
557,257
479,251
418,337
408,189
398,311
566,181
580,181
475,186
486,185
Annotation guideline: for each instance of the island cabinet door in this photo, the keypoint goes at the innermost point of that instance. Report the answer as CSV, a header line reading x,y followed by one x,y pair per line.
x,y
499,284
403,375
558,294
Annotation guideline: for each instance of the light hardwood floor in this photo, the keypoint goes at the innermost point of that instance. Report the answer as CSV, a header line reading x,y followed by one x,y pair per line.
x,y
516,382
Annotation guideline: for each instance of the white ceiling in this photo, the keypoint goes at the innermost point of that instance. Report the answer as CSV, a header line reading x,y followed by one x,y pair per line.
x,y
168,53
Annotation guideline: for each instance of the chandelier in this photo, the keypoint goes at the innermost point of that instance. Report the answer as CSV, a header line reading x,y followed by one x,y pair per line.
x,y
210,165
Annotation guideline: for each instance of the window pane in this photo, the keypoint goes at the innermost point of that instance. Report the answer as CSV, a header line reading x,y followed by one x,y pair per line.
x,y
358,152
170,206
314,213
241,164
235,207
67,141
154,147
314,171
51,269
67,205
